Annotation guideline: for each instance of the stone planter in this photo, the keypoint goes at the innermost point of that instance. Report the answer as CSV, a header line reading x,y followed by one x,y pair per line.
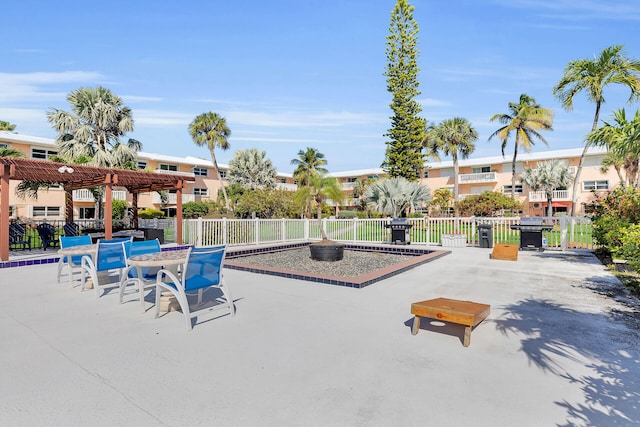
x,y
326,251
454,240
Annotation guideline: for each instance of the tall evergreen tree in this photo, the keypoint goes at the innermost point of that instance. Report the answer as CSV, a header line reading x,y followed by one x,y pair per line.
x,y
404,157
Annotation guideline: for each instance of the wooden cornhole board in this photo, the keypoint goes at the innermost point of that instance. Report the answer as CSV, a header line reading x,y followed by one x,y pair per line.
x,y
465,313
505,251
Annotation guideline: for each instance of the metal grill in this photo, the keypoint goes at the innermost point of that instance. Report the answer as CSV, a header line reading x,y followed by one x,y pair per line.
x,y
531,233
399,231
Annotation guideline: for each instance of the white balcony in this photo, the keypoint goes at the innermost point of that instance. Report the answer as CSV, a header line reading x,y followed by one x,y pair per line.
x,y
474,178
85,195
172,199
541,196
347,186
174,172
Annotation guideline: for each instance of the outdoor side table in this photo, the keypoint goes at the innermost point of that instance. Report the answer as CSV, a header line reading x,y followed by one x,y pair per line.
x,y
465,313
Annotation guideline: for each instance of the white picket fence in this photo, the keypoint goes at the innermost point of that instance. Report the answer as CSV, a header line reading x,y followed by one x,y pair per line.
x,y
567,233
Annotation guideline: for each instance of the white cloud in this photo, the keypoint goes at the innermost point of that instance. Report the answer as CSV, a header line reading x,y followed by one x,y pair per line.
x,y
160,119
26,87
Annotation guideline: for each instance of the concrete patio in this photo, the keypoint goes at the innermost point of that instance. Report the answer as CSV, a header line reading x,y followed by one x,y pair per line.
x,y
560,347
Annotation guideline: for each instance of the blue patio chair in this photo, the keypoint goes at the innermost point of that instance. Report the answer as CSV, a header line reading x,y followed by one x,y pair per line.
x,y
201,271
109,257
74,261
47,234
71,229
18,236
130,275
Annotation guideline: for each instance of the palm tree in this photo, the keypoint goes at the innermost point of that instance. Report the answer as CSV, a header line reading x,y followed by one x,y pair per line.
x,y
6,126
320,188
251,169
442,199
525,119
93,128
211,129
310,162
10,152
622,138
547,176
592,76
395,196
453,137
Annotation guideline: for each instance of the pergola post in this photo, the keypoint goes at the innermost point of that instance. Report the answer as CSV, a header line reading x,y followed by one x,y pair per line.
x,y
4,212
134,206
68,203
179,212
108,208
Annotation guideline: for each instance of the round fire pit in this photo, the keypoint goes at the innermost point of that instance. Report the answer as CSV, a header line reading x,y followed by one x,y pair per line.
x,y
327,251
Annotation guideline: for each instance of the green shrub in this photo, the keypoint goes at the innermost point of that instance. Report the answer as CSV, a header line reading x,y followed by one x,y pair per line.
x,y
195,209
629,248
118,208
150,213
347,215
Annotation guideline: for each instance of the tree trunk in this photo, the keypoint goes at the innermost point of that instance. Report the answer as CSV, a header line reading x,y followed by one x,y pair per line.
x,y
550,204
224,190
513,169
576,182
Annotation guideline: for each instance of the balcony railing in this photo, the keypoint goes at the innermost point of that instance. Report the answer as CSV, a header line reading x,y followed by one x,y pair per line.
x,y
471,178
85,195
346,186
174,172
286,186
541,196
172,199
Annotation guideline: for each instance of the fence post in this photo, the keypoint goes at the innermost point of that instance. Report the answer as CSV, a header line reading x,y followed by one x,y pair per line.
x,y
224,231
306,229
324,226
284,229
563,232
199,232
355,228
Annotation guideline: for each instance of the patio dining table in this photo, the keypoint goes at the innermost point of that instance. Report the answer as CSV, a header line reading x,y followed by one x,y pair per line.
x,y
164,259
70,251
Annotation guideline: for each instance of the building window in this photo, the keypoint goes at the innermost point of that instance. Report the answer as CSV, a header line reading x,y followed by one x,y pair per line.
x,y
201,191
595,185
282,180
87,213
223,174
172,168
506,189
373,177
483,169
45,211
352,179
4,146
142,165
426,173
200,171
40,153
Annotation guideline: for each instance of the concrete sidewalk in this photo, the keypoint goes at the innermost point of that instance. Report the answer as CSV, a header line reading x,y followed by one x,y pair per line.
x,y
559,348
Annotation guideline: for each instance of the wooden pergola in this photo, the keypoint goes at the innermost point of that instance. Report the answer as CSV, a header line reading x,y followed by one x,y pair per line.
x,y
75,177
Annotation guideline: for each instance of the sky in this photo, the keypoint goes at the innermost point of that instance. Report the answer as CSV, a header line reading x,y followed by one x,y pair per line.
x,y
291,74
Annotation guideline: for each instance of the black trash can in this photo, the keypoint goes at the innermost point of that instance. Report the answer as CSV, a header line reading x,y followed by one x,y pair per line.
x,y
485,235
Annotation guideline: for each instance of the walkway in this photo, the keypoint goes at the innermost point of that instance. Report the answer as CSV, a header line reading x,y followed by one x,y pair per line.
x,y
559,348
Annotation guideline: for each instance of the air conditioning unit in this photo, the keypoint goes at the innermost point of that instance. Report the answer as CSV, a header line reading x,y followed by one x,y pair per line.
x,y
573,170
536,206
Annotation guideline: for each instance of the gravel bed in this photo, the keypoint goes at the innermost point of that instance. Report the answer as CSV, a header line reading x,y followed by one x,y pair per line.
x,y
354,263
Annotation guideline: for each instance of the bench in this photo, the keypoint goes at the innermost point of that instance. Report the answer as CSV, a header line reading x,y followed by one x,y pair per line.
x,y
466,313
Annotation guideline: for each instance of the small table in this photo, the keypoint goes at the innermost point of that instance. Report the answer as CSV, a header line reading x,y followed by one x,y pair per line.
x,y
157,259
465,313
70,251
